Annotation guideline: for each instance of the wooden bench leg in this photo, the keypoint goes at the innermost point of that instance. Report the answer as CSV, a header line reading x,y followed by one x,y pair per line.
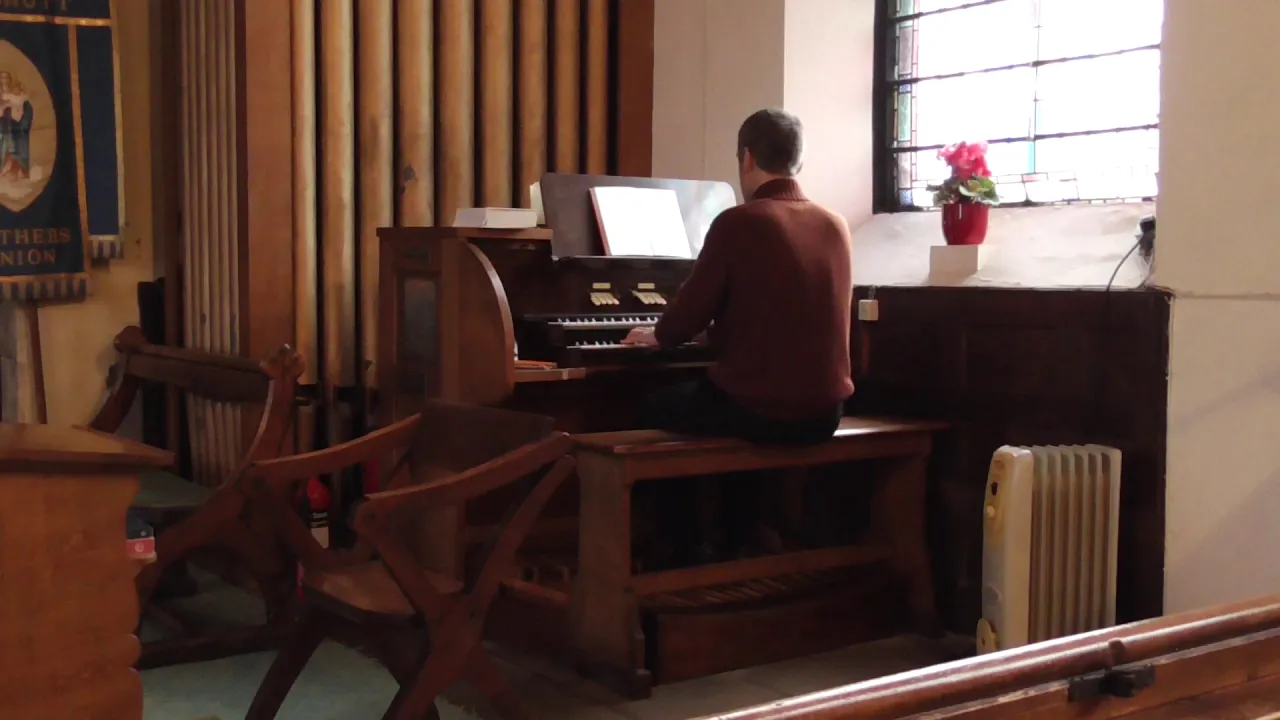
x,y
898,517
604,613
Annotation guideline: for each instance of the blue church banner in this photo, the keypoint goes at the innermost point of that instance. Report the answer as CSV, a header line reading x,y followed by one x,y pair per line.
x,y
59,147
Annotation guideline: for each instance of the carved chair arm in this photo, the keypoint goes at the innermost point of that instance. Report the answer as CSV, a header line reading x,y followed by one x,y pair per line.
x,y
283,471
457,489
404,567
268,481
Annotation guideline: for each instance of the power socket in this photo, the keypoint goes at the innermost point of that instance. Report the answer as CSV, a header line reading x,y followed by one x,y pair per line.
x,y
869,310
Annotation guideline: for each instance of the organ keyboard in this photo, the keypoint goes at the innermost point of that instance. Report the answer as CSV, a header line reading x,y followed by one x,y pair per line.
x,y
594,340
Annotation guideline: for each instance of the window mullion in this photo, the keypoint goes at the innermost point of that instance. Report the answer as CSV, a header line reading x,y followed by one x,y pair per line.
x,y
1035,90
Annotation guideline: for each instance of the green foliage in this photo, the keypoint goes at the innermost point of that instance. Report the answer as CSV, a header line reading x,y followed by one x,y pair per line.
x,y
978,190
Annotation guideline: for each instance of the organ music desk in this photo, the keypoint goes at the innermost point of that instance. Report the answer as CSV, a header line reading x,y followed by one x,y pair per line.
x,y
531,320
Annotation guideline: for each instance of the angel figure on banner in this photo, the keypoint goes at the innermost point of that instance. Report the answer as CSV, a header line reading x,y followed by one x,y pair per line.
x,y
16,116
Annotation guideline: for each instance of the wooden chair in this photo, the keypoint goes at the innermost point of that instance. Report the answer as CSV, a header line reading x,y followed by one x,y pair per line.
x,y
382,589
188,516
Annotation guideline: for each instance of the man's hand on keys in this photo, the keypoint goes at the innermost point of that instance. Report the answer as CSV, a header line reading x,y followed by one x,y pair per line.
x,y
641,336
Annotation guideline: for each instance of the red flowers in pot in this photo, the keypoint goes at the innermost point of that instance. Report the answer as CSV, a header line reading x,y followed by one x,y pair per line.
x,y
967,196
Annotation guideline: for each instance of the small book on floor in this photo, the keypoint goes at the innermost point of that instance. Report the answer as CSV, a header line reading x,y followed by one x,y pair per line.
x,y
493,218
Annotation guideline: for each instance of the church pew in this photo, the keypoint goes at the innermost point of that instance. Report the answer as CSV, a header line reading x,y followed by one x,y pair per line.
x,y
1221,662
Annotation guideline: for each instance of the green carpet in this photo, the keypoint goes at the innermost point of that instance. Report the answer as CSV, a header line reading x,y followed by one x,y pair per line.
x,y
338,683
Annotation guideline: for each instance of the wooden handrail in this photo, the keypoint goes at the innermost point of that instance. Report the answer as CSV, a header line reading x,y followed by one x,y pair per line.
x,y
963,681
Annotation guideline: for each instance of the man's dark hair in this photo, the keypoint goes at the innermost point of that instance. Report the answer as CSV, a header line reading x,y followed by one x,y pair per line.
x,y
775,139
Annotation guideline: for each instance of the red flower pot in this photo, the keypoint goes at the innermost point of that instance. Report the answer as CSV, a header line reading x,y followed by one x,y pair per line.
x,y
965,223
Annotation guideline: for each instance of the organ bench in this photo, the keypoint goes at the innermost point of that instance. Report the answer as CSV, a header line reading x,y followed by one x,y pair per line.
x,y
677,624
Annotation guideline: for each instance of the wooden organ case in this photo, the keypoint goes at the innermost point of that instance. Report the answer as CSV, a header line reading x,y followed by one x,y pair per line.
x,y
530,320
458,302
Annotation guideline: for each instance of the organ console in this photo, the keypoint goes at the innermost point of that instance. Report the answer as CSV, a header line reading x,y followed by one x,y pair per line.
x,y
532,320
490,316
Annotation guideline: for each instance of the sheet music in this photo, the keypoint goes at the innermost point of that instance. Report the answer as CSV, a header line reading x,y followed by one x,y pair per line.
x,y
535,202
641,222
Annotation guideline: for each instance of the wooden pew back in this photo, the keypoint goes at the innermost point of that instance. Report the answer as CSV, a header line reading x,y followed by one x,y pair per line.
x,y
1141,667
219,378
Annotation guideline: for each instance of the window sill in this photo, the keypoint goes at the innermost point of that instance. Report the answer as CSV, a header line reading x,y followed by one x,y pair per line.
x,y
1071,246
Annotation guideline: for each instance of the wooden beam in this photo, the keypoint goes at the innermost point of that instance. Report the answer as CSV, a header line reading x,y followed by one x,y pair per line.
x,y
635,88
265,188
531,62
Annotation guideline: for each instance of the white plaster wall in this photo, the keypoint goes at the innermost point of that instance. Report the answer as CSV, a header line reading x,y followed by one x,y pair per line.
x,y
715,62
679,88
829,44
1220,134
1217,213
1222,499
1045,247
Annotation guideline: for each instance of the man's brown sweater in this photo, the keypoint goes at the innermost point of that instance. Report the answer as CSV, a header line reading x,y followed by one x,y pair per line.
x,y
775,277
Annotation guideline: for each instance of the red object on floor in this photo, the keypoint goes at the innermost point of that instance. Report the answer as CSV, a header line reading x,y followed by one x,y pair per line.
x,y
318,497
141,549
965,223
315,502
319,502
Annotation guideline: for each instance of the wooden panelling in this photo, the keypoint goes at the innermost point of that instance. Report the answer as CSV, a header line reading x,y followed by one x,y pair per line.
x,y
566,27
596,130
495,51
351,114
337,191
263,162
531,49
376,166
167,193
415,105
455,83
634,92
306,263
1024,367
212,241
425,107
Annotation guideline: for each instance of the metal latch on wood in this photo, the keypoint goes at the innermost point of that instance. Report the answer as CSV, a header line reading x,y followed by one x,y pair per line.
x,y
1123,682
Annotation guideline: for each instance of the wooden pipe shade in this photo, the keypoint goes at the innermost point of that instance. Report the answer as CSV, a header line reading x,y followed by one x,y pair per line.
x,y
425,107
208,139
301,126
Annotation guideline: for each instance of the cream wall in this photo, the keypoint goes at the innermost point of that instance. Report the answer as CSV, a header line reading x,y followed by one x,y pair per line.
x,y
1220,98
829,43
715,62
1219,130
76,338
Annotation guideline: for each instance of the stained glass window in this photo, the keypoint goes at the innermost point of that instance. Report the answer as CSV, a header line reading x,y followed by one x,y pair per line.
x,y
1067,93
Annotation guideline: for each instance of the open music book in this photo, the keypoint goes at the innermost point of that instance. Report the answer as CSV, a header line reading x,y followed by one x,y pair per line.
x,y
641,222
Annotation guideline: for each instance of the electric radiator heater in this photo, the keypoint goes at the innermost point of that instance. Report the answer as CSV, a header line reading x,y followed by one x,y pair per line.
x,y
1051,516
